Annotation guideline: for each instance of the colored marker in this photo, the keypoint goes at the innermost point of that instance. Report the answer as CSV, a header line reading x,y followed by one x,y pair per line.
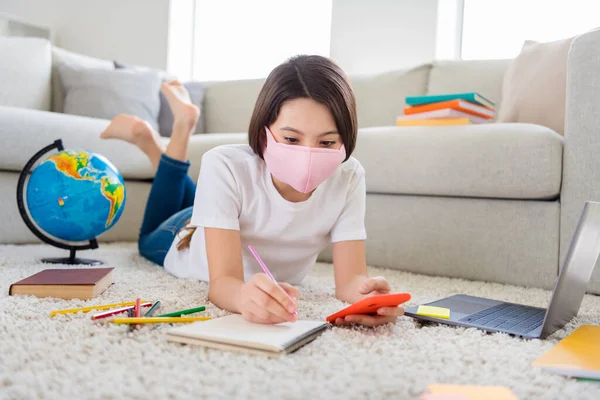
x,y
158,320
108,313
183,312
138,308
152,309
91,308
130,314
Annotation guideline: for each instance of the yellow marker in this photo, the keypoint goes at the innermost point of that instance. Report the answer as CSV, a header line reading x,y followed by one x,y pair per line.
x,y
90,308
435,312
158,320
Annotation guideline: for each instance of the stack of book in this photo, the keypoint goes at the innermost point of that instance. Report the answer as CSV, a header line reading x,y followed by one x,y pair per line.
x,y
447,109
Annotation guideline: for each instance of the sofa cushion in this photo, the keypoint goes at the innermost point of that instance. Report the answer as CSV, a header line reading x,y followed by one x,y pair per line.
x,y
228,105
105,94
508,161
62,57
482,76
25,71
380,98
535,85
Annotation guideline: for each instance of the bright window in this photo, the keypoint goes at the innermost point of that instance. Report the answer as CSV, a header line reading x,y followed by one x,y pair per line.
x,y
239,39
497,28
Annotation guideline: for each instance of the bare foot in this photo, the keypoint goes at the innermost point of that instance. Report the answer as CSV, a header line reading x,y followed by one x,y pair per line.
x,y
135,131
180,103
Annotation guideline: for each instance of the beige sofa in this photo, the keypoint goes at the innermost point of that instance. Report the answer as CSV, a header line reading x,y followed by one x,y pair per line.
x,y
480,202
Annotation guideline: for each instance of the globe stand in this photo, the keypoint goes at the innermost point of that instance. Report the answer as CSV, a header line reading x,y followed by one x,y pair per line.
x,y
71,260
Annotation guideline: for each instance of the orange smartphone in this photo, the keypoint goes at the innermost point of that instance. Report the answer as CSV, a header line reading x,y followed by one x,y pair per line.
x,y
370,305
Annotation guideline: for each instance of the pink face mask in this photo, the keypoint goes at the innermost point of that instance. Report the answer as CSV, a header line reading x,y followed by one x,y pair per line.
x,y
303,168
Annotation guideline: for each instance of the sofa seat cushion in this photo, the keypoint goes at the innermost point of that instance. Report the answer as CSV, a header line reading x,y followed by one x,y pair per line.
x,y
508,161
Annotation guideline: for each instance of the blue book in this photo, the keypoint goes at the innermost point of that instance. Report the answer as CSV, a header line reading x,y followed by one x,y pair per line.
x,y
473,97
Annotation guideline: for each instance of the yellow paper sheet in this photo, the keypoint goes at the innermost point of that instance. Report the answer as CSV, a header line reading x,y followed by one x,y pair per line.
x,y
435,312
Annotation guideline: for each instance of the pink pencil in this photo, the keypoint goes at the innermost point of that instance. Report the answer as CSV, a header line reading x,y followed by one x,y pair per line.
x,y
108,313
264,267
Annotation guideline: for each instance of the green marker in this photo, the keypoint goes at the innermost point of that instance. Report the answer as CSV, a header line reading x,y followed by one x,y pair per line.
x,y
152,309
183,312
588,380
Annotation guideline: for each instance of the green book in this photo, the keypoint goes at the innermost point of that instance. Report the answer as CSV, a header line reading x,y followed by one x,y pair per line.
x,y
473,97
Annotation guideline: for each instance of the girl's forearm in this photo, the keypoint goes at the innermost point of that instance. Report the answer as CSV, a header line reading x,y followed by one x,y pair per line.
x,y
225,293
350,292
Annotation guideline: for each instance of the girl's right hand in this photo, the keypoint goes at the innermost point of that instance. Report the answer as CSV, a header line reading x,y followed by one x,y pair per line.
x,y
265,302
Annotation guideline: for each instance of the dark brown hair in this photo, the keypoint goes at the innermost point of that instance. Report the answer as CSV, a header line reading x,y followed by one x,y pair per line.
x,y
302,76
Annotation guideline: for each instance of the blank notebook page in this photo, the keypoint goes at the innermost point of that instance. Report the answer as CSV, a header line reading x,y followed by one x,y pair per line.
x,y
234,329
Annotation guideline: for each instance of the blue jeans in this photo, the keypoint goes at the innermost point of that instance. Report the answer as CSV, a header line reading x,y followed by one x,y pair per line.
x,y
168,209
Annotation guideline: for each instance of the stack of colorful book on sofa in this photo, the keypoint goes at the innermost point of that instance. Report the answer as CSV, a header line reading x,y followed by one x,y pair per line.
x,y
447,109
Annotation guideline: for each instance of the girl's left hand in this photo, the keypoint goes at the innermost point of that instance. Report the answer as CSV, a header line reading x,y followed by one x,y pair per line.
x,y
373,287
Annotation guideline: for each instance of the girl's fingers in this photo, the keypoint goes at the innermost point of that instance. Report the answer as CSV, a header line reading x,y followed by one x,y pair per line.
x,y
273,307
276,292
391,311
294,292
263,316
369,320
378,283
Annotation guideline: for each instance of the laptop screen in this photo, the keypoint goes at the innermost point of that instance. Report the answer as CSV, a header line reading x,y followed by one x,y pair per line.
x,y
576,270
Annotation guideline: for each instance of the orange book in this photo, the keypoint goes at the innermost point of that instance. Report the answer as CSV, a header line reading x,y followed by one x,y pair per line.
x,y
460,105
433,122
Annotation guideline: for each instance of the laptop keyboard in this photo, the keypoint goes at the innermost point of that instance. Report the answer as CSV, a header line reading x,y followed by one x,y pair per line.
x,y
511,318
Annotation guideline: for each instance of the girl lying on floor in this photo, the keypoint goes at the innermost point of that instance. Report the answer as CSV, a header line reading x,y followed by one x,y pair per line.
x,y
290,192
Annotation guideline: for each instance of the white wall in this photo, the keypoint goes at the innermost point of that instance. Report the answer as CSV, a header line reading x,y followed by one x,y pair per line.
x,y
381,35
367,36
130,31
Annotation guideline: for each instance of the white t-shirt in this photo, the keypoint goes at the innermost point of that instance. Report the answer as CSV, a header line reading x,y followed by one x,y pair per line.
x,y
235,191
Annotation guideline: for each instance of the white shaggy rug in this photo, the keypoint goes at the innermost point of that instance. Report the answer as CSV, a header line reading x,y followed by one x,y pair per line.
x,y
70,357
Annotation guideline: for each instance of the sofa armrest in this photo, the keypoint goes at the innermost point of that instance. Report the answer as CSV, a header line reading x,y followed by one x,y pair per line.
x,y
581,157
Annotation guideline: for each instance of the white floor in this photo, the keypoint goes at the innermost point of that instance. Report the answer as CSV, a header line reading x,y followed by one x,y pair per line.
x,y
70,357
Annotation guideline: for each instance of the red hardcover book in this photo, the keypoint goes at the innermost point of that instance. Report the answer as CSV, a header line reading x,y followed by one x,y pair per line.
x,y
80,283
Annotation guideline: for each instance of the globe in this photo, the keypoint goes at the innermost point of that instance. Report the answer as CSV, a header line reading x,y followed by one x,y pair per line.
x,y
75,195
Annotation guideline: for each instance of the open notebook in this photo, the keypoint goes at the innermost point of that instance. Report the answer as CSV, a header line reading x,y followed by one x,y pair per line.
x,y
233,332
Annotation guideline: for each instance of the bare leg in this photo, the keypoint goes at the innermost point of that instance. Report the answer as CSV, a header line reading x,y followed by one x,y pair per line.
x,y
136,131
185,117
